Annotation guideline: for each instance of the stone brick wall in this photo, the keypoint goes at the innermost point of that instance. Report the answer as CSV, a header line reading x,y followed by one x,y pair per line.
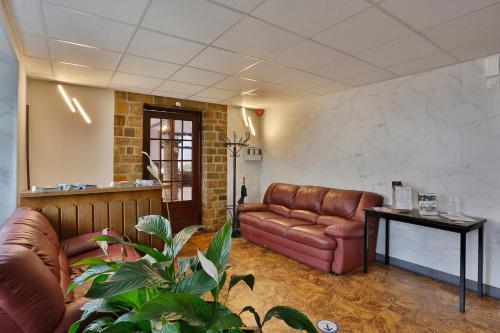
x,y
128,147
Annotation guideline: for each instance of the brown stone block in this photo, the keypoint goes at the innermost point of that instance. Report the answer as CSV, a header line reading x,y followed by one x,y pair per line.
x,y
129,131
136,109
118,131
120,95
131,159
122,141
136,142
134,121
121,168
210,136
140,98
119,120
121,107
222,183
223,197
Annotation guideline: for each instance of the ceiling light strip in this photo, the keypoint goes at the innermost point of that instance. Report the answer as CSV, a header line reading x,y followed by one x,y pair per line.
x,y
252,129
66,98
244,115
82,111
77,44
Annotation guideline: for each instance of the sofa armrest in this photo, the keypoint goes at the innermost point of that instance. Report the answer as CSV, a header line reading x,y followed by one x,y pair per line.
x,y
346,230
252,207
80,244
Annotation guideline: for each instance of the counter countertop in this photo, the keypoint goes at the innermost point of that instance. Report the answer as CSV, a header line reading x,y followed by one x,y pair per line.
x,y
30,194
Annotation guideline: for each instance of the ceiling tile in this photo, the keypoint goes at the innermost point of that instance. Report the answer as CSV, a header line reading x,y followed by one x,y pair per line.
x,y
306,55
368,78
37,66
235,83
434,61
301,80
255,38
265,71
363,31
75,26
94,57
180,87
147,67
468,29
241,5
221,61
197,76
128,11
132,80
216,93
399,51
345,68
308,17
162,47
207,99
72,73
27,15
425,13
34,46
197,20
170,94
480,49
131,89
330,88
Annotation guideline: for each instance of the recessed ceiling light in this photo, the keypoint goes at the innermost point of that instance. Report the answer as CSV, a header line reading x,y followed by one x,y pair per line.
x,y
82,111
72,64
77,44
66,98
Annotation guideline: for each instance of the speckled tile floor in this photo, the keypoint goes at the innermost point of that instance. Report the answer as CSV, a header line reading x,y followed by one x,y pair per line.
x,y
387,299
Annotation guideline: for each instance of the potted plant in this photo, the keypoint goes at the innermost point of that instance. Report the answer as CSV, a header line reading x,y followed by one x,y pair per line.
x,y
164,293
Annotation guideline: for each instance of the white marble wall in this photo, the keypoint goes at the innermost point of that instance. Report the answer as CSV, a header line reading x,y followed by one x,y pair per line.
x,y
438,131
8,111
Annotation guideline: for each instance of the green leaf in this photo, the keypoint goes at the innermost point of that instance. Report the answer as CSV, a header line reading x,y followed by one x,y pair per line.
x,y
208,267
105,238
255,315
292,317
249,279
222,280
131,275
74,327
97,305
154,253
198,283
122,327
90,261
98,325
224,318
155,225
220,245
91,272
186,307
183,236
166,327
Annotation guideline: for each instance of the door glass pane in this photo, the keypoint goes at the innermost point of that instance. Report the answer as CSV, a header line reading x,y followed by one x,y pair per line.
x,y
187,192
187,172
154,130
178,129
176,150
187,150
176,191
157,163
176,170
154,149
166,152
188,127
166,171
166,129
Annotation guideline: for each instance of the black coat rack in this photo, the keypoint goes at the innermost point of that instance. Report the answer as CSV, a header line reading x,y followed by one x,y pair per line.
x,y
235,146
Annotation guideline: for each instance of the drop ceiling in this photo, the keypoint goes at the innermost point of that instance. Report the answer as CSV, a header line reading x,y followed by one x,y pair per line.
x,y
247,52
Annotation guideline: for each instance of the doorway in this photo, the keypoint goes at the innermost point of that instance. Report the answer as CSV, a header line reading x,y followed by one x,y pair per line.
x,y
172,139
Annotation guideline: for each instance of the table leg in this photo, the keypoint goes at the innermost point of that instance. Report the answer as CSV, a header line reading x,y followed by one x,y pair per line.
x,y
365,252
480,243
387,235
462,270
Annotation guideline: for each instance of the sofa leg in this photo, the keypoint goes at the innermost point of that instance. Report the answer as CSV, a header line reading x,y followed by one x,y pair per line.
x,y
336,274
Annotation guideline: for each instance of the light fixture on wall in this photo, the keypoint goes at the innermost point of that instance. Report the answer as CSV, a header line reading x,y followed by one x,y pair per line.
x,y
82,111
66,98
251,126
244,115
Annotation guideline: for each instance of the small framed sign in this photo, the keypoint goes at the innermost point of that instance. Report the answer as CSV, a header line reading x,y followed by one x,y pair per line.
x,y
427,204
327,326
403,198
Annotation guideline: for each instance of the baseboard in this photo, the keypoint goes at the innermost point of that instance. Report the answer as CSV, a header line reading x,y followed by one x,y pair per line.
x,y
438,275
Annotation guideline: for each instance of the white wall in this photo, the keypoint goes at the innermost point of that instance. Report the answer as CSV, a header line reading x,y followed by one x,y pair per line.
x,y
8,110
247,169
63,147
438,131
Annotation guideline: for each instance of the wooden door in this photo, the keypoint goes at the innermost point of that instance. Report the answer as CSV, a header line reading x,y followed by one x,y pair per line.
x,y
172,139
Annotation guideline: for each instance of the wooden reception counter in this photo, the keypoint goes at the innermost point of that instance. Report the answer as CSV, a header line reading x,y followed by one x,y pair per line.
x,y
82,211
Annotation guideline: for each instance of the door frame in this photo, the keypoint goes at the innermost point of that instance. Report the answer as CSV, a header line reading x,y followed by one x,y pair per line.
x,y
149,110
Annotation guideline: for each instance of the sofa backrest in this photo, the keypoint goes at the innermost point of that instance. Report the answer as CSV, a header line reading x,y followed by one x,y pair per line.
x,y
33,273
310,202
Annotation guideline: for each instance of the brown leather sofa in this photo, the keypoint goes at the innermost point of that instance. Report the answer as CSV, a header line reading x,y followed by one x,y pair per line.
x,y
35,273
318,226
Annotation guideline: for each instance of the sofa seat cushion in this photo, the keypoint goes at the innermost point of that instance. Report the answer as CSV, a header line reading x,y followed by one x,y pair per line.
x,y
280,226
255,218
327,221
312,235
114,250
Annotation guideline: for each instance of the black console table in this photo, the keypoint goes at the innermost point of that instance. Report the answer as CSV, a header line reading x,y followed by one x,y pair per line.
x,y
436,222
